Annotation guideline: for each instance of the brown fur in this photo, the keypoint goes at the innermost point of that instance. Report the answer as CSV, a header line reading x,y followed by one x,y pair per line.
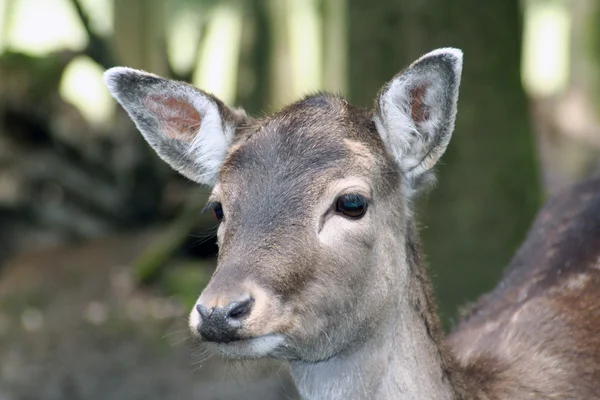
x,y
537,335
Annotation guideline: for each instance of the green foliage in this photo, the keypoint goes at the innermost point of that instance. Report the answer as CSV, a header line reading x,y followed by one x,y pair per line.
x,y
149,266
43,73
186,280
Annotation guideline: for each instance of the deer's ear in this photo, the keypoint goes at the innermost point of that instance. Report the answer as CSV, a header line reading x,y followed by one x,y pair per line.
x,y
416,110
189,129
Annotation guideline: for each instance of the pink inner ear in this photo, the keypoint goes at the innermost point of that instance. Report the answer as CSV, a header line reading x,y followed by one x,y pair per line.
x,y
418,108
178,119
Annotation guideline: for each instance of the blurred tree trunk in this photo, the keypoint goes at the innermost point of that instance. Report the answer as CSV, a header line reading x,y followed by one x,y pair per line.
x,y
296,40
567,122
335,46
139,36
488,185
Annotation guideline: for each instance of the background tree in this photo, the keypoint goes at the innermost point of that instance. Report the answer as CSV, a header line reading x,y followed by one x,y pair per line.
x,y
488,185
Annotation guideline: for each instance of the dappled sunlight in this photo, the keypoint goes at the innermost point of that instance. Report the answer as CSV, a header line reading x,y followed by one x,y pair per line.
x,y
560,76
40,26
217,65
305,33
100,13
577,117
82,86
182,39
213,54
546,46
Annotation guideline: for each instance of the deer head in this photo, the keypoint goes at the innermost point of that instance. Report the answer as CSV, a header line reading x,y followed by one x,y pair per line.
x,y
313,204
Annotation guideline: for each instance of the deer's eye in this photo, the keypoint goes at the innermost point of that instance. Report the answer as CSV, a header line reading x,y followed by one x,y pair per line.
x,y
351,205
217,212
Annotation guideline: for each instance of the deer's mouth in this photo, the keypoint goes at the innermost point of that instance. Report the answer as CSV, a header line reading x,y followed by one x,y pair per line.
x,y
255,347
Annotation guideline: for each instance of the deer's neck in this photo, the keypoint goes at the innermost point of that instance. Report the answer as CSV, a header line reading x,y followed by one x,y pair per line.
x,y
405,360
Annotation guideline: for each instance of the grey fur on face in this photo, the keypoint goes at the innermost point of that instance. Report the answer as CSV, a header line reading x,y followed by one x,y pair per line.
x,y
298,278
319,255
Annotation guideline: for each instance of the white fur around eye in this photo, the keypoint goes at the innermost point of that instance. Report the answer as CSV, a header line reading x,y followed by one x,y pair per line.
x,y
327,221
338,228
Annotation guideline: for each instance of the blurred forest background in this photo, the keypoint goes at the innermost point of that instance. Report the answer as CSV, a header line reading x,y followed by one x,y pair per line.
x,y
102,247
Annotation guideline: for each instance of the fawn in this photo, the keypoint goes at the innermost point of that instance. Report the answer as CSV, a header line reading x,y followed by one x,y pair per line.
x,y
319,257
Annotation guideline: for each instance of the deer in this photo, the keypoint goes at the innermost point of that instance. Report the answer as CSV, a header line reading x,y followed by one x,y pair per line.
x,y
320,264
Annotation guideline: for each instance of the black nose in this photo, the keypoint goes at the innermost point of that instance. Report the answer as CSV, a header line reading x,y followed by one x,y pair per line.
x,y
223,324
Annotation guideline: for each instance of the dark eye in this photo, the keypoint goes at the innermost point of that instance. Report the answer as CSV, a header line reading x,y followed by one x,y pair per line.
x,y
351,205
217,211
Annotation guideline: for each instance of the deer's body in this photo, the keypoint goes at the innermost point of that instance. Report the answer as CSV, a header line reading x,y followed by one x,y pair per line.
x,y
319,260
537,334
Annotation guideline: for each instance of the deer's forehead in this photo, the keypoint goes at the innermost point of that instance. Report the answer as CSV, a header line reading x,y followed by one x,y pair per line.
x,y
284,165
301,161
313,127
267,182
308,139
293,156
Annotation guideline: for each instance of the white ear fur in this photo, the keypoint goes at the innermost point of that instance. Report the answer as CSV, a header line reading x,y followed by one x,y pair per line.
x,y
416,111
189,129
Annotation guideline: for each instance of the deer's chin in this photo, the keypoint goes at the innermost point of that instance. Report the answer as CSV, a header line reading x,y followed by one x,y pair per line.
x,y
257,347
